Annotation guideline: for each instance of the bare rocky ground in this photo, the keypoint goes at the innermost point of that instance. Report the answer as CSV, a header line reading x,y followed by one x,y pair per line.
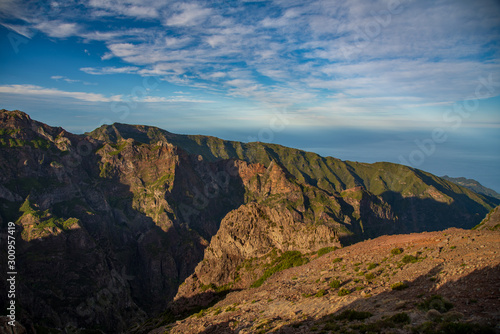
x,y
436,282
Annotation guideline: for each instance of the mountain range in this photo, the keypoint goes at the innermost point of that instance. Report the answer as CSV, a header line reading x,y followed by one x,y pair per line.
x,y
473,185
123,223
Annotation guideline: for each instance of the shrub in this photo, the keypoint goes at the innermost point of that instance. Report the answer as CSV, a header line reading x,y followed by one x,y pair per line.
x,y
344,292
326,250
399,286
437,303
320,293
370,276
396,251
230,309
400,318
337,259
335,284
353,315
287,260
372,266
409,259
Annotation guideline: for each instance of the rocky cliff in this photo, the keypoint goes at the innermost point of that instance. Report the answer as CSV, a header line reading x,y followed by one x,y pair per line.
x,y
110,223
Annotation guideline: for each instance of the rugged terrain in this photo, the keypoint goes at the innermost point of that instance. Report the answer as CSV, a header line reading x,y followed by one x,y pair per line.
x,y
439,282
110,223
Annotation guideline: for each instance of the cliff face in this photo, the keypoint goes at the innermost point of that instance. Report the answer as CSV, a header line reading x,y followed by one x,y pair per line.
x,y
112,222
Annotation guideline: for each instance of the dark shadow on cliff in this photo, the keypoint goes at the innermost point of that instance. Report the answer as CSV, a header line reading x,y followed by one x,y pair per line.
x,y
420,215
475,296
96,275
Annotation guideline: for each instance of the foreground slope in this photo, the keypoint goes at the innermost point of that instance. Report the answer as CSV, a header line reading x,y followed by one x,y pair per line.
x,y
111,223
437,282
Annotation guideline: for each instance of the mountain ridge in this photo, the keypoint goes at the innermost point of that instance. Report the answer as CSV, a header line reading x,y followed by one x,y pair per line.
x,y
473,185
129,212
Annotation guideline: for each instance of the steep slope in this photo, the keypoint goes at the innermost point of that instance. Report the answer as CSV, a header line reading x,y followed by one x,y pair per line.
x,y
491,221
437,282
473,185
109,224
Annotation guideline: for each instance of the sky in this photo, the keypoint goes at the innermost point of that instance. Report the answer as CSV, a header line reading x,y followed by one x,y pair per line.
x,y
405,81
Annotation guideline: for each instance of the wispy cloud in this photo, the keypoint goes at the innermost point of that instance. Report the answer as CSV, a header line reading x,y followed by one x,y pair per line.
x,y
58,28
68,80
110,70
188,14
316,52
174,99
37,91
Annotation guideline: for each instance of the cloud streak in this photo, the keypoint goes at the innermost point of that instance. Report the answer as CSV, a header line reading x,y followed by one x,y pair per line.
x,y
37,91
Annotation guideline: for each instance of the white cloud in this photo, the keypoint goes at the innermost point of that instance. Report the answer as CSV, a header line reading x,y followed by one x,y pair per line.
x,y
175,99
142,10
110,70
309,49
190,14
68,80
37,91
58,28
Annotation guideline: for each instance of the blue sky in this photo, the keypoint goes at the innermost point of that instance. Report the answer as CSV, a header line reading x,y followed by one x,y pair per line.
x,y
414,82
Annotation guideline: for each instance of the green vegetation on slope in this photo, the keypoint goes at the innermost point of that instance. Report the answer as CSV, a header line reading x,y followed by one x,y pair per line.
x,y
287,260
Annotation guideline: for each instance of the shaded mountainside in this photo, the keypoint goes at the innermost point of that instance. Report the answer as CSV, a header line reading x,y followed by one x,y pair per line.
x,y
432,282
110,223
473,185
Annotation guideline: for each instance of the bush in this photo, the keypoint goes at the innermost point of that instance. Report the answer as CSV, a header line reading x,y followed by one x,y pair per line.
x,y
344,292
372,266
337,259
400,318
396,251
287,260
399,286
437,303
320,293
353,315
409,259
335,284
326,250
370,276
